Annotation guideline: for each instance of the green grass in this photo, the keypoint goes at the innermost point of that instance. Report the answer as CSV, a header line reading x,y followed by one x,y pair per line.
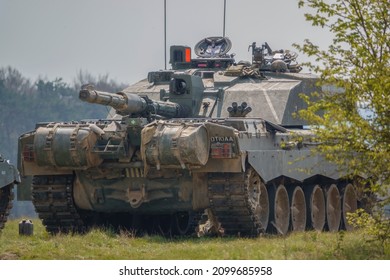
x,y
101,244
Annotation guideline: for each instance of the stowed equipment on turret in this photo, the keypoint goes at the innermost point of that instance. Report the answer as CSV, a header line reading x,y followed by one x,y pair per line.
x,y
277,61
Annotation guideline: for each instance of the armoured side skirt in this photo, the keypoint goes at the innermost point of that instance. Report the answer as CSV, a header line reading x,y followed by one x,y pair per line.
x,y
298,165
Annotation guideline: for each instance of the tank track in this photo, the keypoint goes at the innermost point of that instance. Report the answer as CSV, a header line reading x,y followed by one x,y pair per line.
x,y
53,201
193,222
6,197
183,223
230,204
195,218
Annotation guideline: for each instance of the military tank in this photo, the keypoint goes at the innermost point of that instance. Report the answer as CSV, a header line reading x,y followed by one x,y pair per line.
x,y
9,176
209,138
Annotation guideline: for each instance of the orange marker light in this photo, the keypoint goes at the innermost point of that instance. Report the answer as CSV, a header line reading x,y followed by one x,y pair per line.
x,y
188,55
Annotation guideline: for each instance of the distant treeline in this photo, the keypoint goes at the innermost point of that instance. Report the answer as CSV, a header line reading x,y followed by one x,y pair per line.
x,y
24,103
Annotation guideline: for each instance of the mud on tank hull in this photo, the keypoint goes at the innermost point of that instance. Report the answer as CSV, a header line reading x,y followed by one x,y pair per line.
x,y
249,176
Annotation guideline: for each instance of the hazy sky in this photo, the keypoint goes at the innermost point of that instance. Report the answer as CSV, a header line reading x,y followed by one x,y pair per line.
x,y
125,38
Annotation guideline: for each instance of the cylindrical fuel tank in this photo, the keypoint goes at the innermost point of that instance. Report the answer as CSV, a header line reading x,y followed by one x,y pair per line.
x,y
66,146
172,145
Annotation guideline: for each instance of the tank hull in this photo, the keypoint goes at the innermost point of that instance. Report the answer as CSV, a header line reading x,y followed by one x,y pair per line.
x,y
251,176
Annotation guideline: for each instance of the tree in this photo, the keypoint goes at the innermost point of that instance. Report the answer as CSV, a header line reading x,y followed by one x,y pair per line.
x,y
12,80
103,82
351,116
23,104
15,91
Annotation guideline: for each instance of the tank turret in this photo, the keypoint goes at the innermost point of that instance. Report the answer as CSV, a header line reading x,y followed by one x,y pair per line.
x,y
209,137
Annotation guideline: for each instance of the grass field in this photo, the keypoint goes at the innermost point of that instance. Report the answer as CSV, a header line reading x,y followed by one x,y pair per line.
x,y
102,244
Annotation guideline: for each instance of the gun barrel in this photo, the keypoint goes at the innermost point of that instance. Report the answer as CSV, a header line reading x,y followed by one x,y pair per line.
x,y
129,103
103,98
124,103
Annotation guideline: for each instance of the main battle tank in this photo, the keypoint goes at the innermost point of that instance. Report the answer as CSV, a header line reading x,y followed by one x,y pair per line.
x,y
209,138
9,176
